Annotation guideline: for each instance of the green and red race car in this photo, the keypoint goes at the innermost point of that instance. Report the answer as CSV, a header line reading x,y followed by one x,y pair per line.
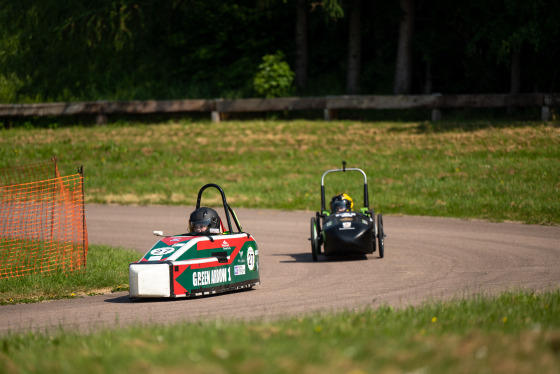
x,y
215,259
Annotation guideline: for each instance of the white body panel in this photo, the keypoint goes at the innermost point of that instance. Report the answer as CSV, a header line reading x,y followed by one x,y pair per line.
x,y
149,280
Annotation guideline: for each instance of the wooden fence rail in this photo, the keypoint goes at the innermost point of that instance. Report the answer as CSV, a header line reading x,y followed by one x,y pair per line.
x,y
328,104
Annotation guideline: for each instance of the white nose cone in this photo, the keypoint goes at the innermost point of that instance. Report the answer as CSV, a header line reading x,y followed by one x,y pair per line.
x,y
149,280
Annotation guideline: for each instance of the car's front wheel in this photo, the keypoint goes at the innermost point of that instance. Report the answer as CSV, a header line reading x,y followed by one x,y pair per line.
x,y
314,239
380,236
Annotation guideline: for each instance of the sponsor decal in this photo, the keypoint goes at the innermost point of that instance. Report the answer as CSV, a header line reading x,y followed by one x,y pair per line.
x,y
346,226
251,258
225,245
208,277
155,258
239,269
329,224
345,214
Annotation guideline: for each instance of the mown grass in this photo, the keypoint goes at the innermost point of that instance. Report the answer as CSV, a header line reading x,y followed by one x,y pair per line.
x,y
515,332
480,169
106,271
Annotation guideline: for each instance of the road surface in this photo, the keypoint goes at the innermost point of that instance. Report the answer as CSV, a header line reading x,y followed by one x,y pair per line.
x,y
425,259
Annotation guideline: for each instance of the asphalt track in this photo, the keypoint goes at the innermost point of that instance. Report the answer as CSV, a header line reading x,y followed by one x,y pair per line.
x,y
425,259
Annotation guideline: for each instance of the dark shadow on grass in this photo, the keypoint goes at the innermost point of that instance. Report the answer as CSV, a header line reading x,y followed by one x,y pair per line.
x,y
475,119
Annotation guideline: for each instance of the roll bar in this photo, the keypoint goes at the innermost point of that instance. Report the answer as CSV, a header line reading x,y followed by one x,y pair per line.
x,y
227,208
344,169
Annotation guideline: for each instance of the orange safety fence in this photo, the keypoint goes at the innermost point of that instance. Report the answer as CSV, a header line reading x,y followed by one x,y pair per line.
x,y
29,172
42,223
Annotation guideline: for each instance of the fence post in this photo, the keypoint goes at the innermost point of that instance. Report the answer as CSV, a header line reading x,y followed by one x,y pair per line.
x,y
214,113
84,227
101,119
329,114
545,113
436,112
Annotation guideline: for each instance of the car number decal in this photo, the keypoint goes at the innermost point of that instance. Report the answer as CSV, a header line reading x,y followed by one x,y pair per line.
x,y
162,251
251,258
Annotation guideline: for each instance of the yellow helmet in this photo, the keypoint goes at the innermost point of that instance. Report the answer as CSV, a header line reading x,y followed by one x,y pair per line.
x,y
342,203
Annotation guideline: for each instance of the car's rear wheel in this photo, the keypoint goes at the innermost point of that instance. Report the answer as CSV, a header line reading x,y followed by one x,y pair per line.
x,y
380,236
314,239
371,213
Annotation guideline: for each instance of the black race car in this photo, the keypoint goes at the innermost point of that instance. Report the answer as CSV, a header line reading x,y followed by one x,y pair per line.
x,y
343,232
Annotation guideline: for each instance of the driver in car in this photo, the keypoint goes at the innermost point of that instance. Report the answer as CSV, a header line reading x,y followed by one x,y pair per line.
x,y
342,203
204,221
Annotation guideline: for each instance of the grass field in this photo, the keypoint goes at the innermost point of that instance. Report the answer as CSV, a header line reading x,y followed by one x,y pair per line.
x,y
106,271
490,170
494,171
516,332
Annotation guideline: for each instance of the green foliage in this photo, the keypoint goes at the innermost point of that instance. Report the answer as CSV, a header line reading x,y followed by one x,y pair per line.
x,y
274,77
515,24
334,8
66,51
123,50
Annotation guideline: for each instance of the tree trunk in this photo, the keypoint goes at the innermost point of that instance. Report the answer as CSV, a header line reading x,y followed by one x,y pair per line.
x,y
354,49
515,82
428,80
515,78
302,54
403,68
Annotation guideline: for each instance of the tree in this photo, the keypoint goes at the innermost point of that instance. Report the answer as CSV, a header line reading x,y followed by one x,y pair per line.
x,y
302,52
511,30
354,48
335,9
403,68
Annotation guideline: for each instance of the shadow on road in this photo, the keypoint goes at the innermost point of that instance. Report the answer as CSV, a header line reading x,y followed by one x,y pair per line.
x,y
126,300
118,300
306,257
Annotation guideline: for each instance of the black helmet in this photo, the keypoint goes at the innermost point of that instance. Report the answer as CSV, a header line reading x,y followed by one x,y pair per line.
x,y
342,203
205,219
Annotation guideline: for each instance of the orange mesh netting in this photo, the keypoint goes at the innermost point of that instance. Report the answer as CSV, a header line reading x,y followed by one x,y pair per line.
x,y
29,173
42,223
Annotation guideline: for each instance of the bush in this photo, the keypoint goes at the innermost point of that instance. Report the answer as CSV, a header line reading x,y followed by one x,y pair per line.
x,y
274,77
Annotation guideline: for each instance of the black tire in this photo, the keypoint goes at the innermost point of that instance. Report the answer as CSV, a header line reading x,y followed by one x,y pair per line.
x,y
314,239
380,236
373,236
318,230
